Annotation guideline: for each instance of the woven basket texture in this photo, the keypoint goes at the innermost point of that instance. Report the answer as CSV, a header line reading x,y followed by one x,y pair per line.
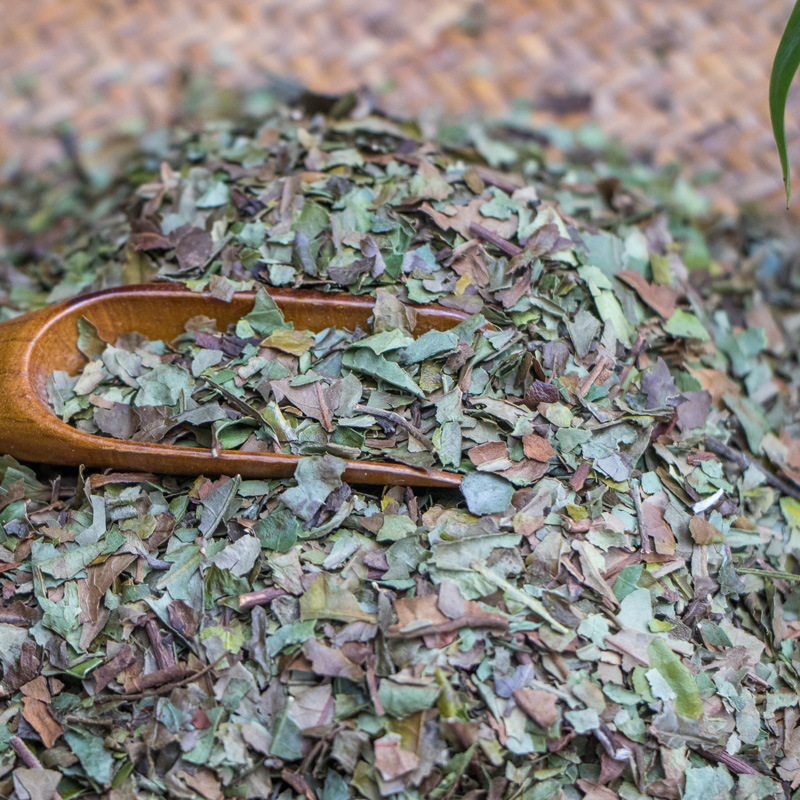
x,y
676,78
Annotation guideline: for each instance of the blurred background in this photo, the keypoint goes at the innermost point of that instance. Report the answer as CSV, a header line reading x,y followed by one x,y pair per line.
x,y
675,79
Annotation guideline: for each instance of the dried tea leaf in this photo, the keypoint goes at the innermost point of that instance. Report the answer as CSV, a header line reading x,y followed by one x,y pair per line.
x,y
678,677
486,493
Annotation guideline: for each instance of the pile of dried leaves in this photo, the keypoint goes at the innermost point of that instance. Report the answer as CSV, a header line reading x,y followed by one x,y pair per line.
x,y
609,607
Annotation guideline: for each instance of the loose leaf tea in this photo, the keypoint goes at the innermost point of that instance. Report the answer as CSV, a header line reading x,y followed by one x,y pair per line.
x,y
352,394
608,608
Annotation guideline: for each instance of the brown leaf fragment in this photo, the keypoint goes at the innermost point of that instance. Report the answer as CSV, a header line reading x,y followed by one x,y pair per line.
x,y
632,645
594,791
330,662
509,248
39,783
467,216
541,392
298,783
487,453
662,299
715,382
470,259
15,492
37,689
28,669
703,532
694,410
183,618
17,613
537,448
525,472
657,530
147,240
451,602
193,246
221,288
391,760
113,667
539,705
420,616
311,399
202,781
581,474
200,720
510,297
611,769
38,715
119,421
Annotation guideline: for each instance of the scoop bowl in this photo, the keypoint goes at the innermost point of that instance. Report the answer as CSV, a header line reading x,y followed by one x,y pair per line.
x,y
33,345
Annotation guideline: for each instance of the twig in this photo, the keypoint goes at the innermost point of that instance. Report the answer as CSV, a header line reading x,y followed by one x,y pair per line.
x,y
372,685
770,574
744,461
488,176
29,759
634,354
398,420
127,698
731,762
298,783
14,619
466,621
160,677
509,248
323,408
524,599
77,719
163,655
637,504
260,598
239,404
601,364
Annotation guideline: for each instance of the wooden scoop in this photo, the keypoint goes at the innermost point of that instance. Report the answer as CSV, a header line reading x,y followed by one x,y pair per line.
x,y
32,346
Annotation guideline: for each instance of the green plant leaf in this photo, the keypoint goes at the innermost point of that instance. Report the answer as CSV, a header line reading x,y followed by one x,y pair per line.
x,y
678,678
784,67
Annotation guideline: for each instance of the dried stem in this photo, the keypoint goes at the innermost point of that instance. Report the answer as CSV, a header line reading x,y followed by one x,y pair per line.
x,y
398,420
260,598
601,364
731,762
323,407
744,461
467,621
190,678
29,759
509,248
524,599
637,504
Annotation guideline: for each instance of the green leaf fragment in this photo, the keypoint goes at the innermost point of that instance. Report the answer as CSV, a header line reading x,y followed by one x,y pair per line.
x,y
369,363
685,325
678,678
486,493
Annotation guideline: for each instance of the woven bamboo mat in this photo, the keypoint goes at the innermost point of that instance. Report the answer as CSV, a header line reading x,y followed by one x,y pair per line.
x,y
681,79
